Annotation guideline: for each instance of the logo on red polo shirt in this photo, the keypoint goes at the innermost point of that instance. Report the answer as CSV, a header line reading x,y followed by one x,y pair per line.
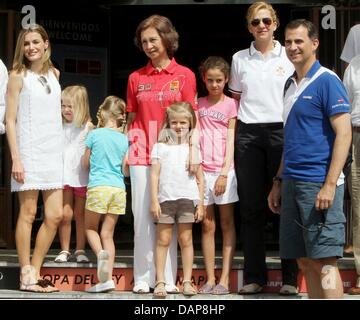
x,y
144,87
174,85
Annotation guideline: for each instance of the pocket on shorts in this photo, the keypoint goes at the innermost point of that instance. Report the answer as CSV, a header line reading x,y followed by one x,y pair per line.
x,y
332,235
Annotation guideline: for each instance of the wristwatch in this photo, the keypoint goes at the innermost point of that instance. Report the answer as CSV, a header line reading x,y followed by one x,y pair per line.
x,y
277,178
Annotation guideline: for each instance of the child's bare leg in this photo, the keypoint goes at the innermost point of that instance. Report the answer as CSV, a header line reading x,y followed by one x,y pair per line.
x,y
208,243
92,220
164,236
187,249
107,239
79,212
65,224
228,237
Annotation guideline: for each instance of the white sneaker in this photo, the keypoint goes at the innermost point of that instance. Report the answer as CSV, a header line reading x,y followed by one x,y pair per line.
x,y
102,287
103,266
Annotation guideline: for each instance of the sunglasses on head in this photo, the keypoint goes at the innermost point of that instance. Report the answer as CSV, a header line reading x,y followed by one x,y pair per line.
x,y
265,21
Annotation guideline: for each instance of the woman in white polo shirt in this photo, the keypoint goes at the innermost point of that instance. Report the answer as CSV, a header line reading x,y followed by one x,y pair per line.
x,y
258,75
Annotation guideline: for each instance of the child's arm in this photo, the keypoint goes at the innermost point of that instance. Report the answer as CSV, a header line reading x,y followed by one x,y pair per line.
x,y
194,155
199,214
89,126
154,176
86,158
221,181
125,166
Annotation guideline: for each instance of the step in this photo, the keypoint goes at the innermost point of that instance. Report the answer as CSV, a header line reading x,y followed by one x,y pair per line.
x,y
72,276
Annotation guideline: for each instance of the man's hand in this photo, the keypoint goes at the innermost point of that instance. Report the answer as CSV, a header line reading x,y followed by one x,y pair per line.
x,y
325,197
274,197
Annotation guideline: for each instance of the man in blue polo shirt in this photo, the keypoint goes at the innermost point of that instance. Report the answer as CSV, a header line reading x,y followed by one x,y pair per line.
x,y
317,138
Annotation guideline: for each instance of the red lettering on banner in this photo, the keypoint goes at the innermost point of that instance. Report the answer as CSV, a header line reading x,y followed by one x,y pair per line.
x,y
80,279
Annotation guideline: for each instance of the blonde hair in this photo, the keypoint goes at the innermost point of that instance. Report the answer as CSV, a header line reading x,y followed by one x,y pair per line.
x,y
80,103
256,6
178,107
112,108
21,63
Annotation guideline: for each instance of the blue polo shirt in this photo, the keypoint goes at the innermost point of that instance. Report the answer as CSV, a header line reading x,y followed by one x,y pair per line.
x,y
308,134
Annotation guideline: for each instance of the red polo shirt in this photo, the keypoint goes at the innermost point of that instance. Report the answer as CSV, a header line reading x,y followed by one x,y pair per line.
x,y
149,93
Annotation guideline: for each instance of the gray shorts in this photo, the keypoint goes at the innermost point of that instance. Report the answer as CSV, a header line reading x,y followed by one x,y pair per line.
x,y
306,232
177,211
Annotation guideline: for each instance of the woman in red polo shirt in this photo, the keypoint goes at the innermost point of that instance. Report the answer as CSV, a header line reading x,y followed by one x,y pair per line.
x,y
150,91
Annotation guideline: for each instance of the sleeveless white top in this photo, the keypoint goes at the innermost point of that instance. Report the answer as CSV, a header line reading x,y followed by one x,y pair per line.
x,y
75,175
39,134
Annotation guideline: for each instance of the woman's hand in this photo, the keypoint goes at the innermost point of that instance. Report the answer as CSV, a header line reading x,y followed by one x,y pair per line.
x,y
17,171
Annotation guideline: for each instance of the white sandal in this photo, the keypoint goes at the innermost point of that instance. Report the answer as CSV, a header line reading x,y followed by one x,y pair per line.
x,y
63,256
81,256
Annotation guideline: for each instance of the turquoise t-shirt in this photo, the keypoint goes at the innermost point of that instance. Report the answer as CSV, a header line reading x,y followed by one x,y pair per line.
x,y
108,148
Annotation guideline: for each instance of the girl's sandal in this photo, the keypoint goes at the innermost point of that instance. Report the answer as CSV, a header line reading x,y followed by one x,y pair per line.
x,y
188,289
47,285
160,290
81,256
63,256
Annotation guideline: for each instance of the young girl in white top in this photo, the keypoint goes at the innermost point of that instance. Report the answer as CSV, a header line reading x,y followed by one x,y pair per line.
x,y
176,196
105,155
76,125
217,117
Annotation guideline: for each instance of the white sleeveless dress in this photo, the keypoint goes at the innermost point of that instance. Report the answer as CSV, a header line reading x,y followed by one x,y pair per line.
x,y
39,134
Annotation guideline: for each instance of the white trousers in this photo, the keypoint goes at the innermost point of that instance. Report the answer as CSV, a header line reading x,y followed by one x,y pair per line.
x,y
355,201
145,232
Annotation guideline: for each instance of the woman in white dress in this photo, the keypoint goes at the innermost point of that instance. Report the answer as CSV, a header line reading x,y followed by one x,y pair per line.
x,y
34,133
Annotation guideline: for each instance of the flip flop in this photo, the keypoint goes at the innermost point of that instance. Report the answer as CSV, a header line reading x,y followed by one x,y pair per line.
x,y
188,289
159,290
206,289
220,290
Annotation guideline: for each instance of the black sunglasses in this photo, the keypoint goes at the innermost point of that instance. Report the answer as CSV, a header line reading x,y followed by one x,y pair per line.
x,y
265,21
45,84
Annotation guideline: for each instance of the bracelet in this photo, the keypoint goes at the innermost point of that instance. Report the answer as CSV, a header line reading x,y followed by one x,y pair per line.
x,y
277,178
223,175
